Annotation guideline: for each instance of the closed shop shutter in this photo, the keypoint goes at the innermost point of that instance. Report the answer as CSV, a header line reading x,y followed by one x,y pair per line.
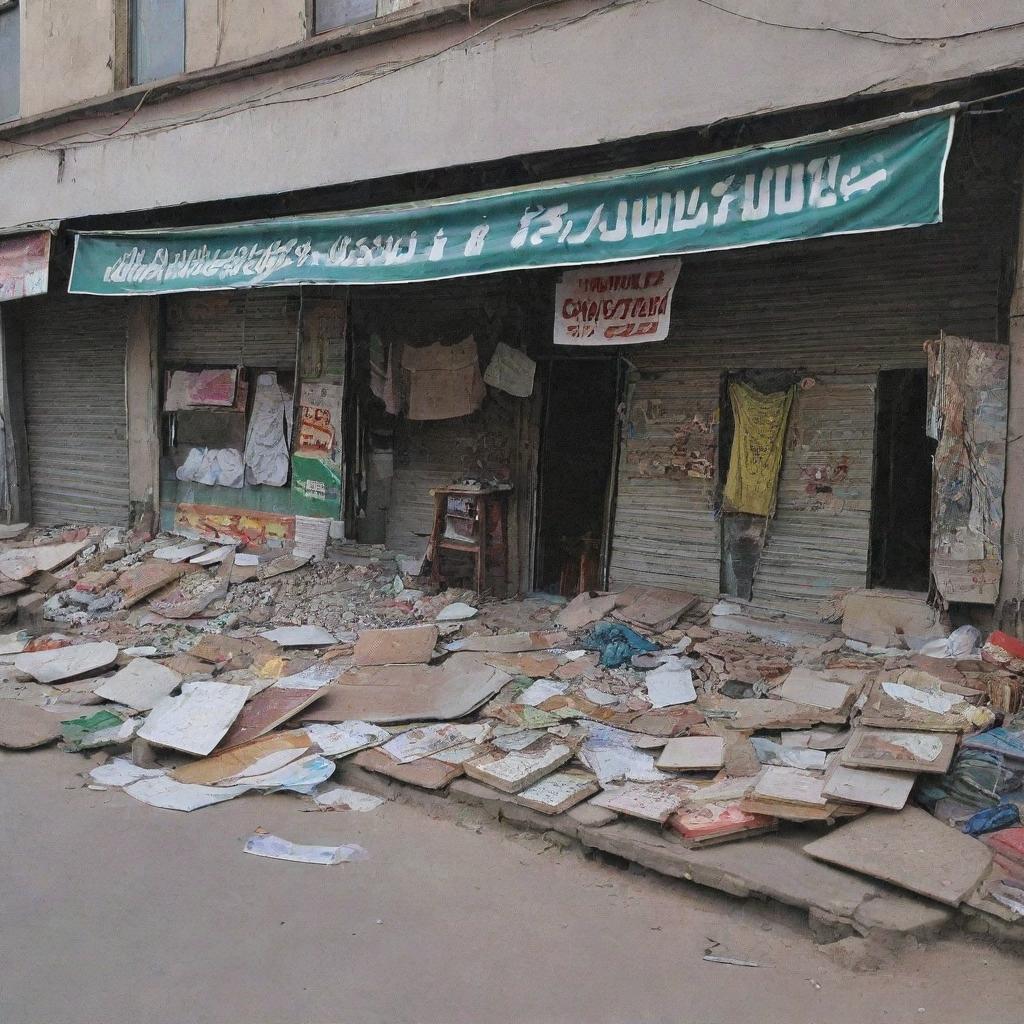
x,y
664,533
818,541
837,310
243,328
75,413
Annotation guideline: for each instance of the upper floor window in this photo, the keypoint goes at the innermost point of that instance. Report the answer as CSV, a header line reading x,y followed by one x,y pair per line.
x,y
10,60
157,39
337,13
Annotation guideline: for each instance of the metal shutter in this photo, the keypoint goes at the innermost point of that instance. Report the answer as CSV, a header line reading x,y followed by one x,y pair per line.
x,y
840,310
75,413
232,328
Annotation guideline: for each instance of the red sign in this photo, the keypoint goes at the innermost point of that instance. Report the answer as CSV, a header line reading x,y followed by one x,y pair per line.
x,y
24,265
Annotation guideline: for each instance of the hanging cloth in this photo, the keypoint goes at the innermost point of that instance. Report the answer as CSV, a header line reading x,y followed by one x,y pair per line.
x,y
444,380
753,481
269,433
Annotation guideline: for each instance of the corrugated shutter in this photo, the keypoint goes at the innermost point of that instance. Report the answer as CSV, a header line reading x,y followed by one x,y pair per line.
x,y
838,310
241,328
76,419
663,530
818,541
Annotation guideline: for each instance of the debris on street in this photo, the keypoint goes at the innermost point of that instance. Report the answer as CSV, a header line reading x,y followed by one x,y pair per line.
x,y
630,710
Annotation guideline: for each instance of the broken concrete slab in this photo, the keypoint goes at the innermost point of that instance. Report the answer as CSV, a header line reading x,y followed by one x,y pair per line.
x,y
755,715
650,801
406,645
653,608
535,666
196,720
24,726
875,788
803,686
21,563
585,609
426,773
139,581
69,662
410,693
140,685
300,636
910,849
509,643
886,618
266,711
179,552
693,753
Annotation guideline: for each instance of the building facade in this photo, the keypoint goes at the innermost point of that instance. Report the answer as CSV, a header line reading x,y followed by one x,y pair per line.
x,y
191,124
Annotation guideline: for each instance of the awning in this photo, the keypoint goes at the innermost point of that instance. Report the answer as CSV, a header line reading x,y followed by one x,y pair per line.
x,y
871,177
24,265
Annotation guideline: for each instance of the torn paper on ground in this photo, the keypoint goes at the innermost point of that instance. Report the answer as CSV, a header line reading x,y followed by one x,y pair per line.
x,y
281,849
181,796
341,798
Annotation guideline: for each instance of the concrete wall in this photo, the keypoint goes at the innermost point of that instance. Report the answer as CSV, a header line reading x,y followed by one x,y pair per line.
x,y
562,76
67,52
220,31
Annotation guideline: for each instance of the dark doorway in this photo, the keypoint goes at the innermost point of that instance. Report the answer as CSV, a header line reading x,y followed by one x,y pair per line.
x,y
577,449
901,497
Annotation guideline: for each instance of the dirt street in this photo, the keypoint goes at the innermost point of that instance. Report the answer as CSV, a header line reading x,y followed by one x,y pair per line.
x,y
114,910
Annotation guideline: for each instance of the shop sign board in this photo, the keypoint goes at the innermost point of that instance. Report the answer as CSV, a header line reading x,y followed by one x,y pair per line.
x,y
873,177
619,305
24,265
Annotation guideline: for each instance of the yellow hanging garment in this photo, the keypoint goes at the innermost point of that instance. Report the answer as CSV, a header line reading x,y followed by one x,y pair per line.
x,y
753,481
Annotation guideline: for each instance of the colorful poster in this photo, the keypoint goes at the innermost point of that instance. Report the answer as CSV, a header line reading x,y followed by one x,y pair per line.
x,y
320,424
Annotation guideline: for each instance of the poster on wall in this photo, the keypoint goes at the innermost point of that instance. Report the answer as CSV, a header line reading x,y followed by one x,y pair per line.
x,y
624,304
320,421
316,487
24,265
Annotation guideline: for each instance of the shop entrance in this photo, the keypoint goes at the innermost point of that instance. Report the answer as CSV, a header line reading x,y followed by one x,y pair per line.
x,y
577,448
901,498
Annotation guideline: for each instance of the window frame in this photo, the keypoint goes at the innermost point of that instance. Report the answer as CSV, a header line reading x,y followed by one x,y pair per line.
x,y
312,15
130,72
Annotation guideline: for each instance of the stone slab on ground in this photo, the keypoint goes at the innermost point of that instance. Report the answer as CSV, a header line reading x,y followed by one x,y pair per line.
x,y
911,849
774,867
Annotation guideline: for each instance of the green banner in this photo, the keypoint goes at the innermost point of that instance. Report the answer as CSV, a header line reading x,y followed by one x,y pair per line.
x,y
868,178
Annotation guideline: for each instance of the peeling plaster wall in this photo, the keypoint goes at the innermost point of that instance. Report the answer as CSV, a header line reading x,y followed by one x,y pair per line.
x,y
67,52
568,75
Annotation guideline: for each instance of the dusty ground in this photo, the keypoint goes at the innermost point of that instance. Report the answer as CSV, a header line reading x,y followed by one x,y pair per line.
x,y
116,911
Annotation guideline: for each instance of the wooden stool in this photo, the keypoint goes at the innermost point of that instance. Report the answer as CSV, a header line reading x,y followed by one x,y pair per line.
x,y
473,521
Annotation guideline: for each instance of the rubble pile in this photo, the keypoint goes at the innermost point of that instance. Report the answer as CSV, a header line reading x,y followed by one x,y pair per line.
x,y
892,748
